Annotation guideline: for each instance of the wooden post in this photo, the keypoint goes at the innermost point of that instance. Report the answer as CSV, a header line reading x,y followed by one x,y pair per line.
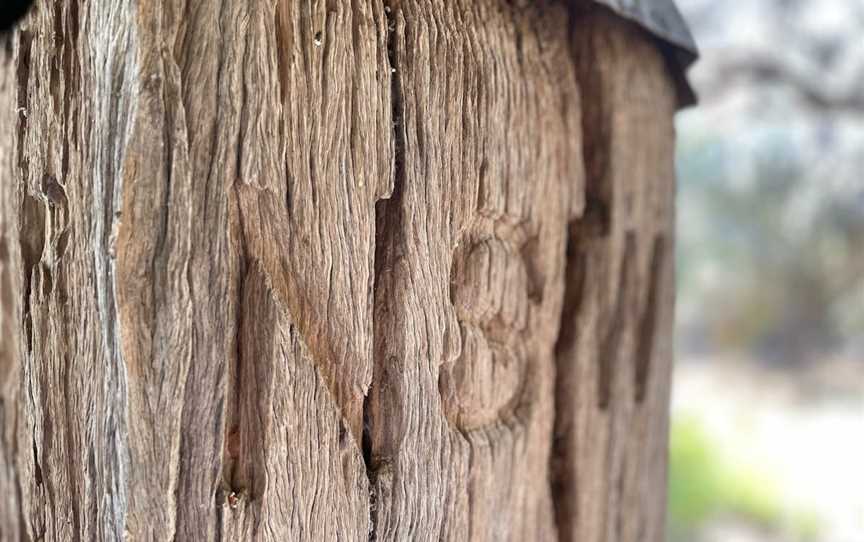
x,y
342,270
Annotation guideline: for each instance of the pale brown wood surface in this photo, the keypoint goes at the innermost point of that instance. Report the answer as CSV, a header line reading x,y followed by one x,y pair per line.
x,y
334,270
10,289
614,349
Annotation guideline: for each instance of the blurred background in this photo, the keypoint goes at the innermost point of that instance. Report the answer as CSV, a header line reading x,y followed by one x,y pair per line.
x,y
767,437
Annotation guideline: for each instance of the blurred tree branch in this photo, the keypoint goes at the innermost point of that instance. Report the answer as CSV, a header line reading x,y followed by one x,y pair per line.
x,y
760,67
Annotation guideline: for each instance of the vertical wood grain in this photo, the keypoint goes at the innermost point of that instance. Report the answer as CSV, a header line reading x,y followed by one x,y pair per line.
x,y
333,270
614,351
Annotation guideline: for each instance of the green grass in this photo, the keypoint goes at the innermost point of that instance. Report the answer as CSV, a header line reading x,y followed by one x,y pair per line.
x,y
704,485
695,478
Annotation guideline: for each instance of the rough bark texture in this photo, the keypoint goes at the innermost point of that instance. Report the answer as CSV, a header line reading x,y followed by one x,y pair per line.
x,y
334,270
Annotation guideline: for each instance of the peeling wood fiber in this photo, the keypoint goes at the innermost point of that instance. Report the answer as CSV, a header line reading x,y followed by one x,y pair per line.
x,y
334,270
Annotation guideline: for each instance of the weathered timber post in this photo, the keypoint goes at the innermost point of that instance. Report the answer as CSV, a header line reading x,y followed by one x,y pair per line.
x,y
337,270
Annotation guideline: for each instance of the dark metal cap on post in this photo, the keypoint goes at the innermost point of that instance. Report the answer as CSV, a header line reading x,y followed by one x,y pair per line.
x,y
663,19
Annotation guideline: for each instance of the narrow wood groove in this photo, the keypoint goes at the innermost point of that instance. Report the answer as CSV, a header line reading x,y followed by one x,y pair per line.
x,y
563,476
388,222
32,246
597,132
22,73
650,317
37,467
32,217
234,422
